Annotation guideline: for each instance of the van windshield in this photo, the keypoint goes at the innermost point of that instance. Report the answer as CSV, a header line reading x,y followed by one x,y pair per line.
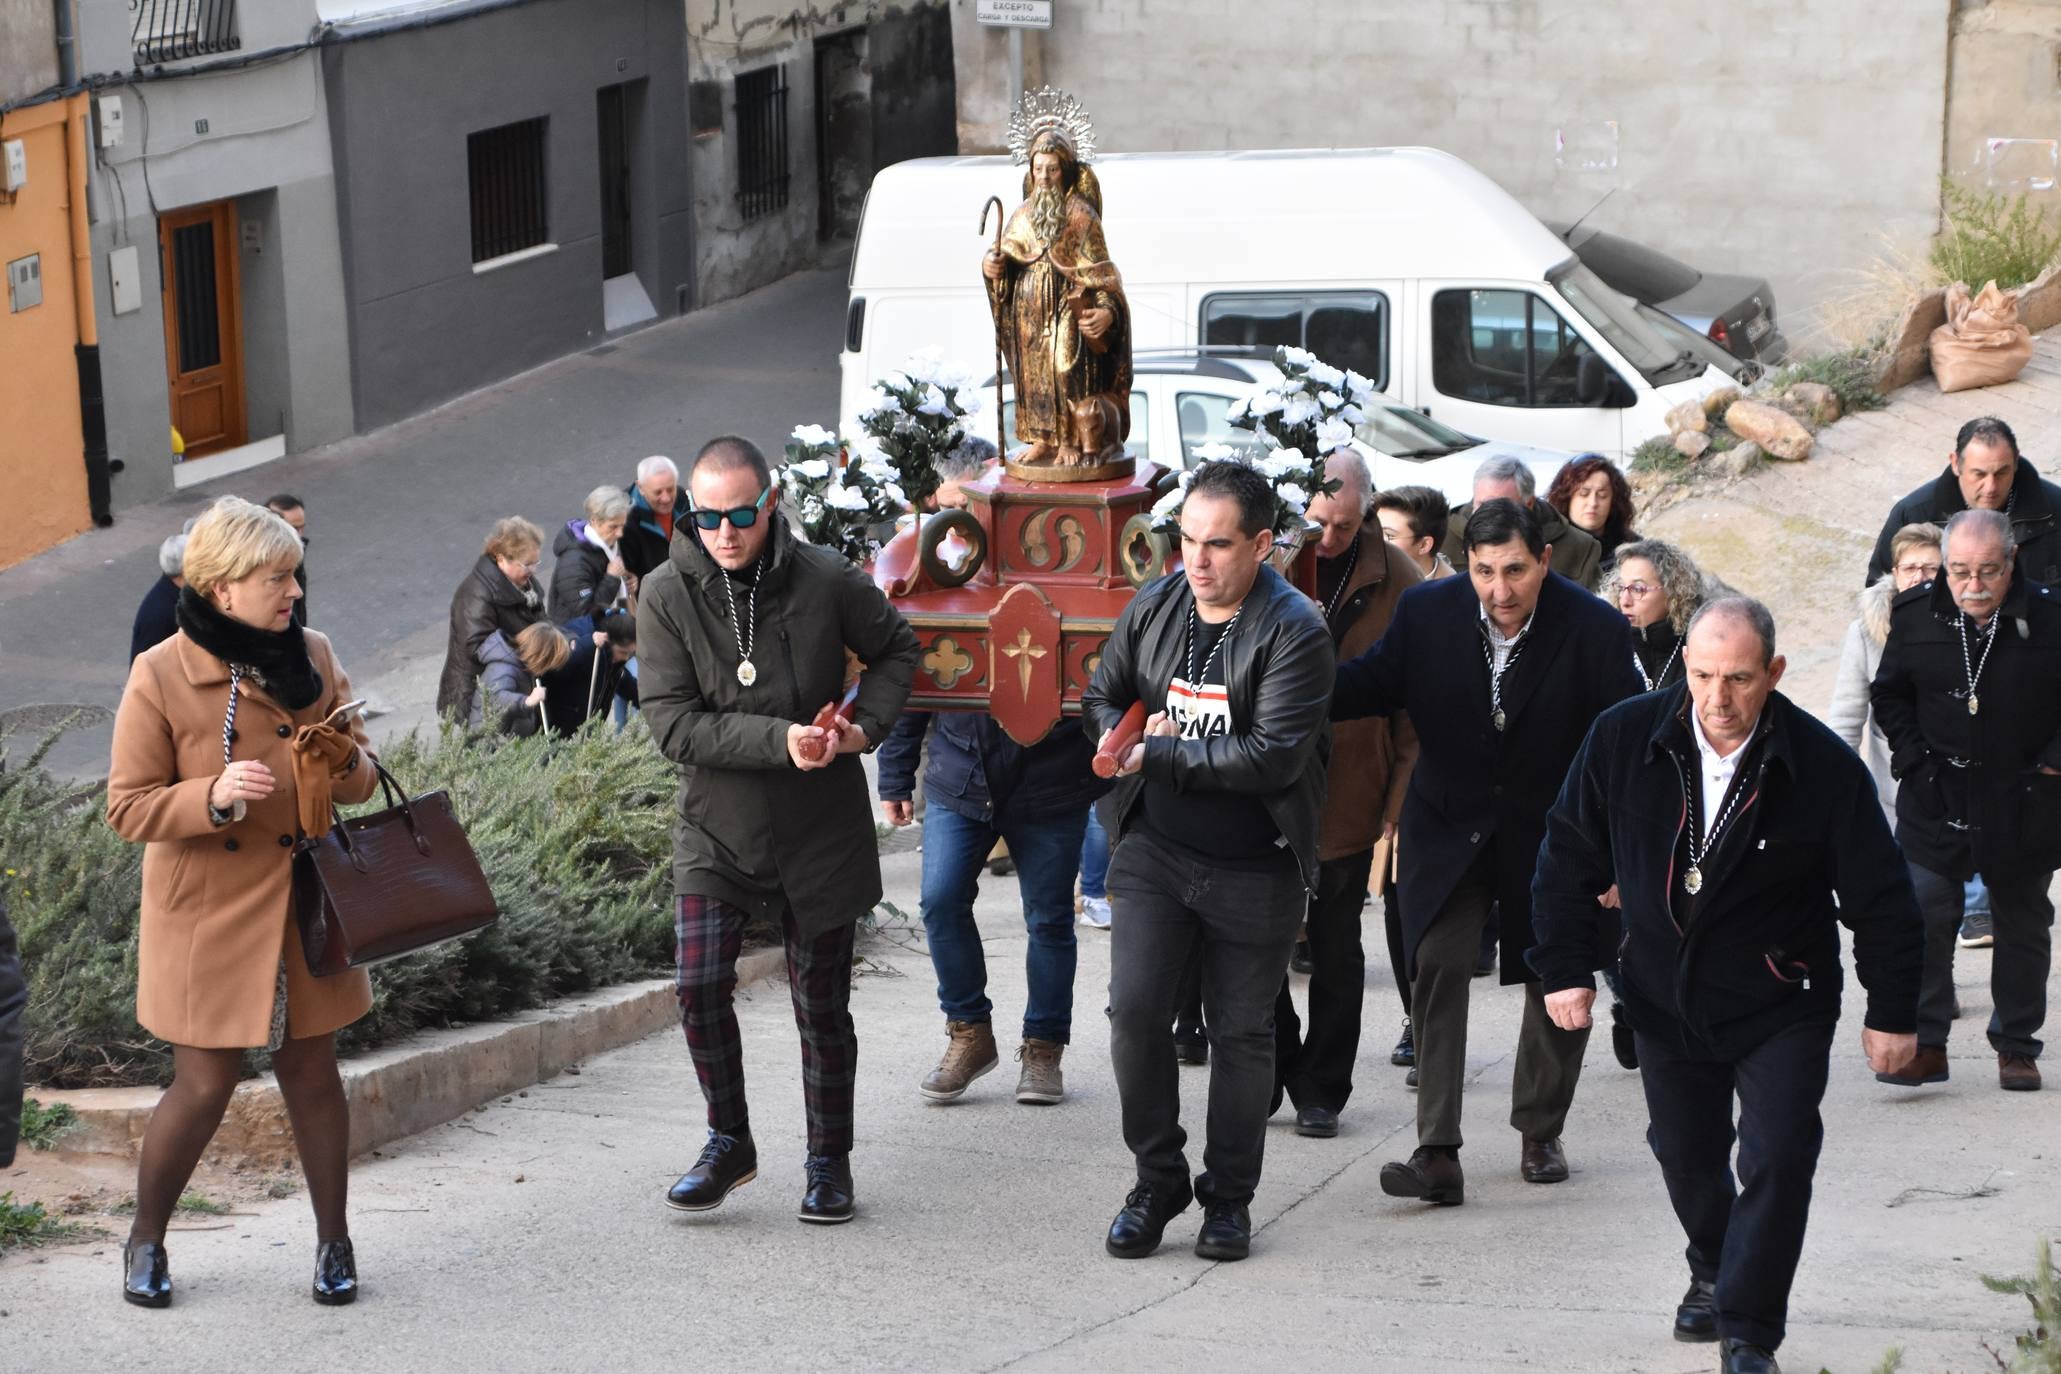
x,y
1617,319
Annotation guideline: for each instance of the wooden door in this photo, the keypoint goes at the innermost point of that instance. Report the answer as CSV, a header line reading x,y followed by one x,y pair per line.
x,y
203,326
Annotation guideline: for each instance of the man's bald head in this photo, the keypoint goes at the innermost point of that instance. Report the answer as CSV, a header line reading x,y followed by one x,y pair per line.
x,y
1341,514
730,453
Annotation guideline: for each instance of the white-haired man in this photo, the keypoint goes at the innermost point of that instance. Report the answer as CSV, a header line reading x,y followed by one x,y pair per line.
x,y
648,534
1576,554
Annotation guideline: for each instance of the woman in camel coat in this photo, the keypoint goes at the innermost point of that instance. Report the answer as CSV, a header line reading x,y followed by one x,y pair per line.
x,y
219,962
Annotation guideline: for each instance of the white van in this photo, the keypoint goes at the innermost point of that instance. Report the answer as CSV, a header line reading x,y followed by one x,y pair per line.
x,y
1405,264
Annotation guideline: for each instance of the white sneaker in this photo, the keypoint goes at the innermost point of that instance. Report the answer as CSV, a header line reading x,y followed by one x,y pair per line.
x,y
1095,912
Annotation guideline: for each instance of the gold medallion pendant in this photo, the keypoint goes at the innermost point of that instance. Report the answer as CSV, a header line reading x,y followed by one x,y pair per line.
x,y
1692,881
1974,704
746,673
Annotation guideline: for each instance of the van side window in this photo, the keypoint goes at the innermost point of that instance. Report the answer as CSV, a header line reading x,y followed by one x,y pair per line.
x,y
1344,328
1204,421
1504,348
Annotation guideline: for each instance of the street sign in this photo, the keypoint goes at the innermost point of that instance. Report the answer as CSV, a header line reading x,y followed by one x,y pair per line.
x,y
1014,14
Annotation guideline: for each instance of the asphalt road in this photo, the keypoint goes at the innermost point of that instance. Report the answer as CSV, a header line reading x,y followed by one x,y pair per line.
x,y
397,517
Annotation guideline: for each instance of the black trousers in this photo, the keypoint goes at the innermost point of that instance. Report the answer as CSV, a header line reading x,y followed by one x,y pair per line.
x,y
1169,906
1317,1070
1744,1236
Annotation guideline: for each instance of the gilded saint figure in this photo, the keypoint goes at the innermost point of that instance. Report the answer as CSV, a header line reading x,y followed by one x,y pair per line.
x,y
1061,321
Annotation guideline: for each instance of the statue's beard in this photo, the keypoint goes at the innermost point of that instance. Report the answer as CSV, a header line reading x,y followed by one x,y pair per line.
x,y
1048,213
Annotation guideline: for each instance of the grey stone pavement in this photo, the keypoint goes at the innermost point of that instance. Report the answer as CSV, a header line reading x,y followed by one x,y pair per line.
x,y
531,1236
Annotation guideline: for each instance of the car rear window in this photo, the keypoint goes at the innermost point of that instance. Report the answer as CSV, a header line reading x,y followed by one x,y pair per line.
x,y
1644,274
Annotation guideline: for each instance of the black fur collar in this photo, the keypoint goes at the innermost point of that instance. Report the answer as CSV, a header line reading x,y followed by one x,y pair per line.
x,y
280,658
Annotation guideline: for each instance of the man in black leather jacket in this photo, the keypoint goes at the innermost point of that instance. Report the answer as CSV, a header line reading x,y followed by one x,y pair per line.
x,y
1217,844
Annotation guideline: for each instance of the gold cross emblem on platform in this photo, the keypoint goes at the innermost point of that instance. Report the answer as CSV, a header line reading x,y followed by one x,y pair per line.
x,y
1026,655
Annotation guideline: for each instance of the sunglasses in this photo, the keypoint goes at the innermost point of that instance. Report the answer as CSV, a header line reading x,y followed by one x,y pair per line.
x,y
740,517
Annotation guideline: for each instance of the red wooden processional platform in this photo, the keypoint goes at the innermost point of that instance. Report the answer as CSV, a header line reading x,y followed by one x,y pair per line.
x,y
1013,597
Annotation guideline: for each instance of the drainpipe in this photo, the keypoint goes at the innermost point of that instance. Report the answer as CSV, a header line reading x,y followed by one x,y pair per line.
x,y
67,45
92,396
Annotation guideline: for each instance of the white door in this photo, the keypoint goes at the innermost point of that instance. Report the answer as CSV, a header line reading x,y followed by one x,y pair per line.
x,y
1499,361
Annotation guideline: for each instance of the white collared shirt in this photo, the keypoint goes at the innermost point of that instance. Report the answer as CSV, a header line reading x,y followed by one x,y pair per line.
x,y
1498,645
1718,770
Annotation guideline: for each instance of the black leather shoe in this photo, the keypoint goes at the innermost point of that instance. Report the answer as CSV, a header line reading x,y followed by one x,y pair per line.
x,y
148,1280
1410,1078
1191,1045
1543,1161
1226,1232
1428,1175
1696,1317
1404,1055
336,1273
727,1163
1741,1358
1321,1122
828,1200
1621,1042
1147,1209
1300,961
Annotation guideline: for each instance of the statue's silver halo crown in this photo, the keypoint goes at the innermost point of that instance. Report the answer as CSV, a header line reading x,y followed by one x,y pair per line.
x,y
1046,111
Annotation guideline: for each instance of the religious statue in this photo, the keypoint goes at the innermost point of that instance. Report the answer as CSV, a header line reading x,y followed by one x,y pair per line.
x,y
1061,321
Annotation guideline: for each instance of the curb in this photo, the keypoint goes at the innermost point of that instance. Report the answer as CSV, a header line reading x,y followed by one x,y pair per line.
x,y
405,1089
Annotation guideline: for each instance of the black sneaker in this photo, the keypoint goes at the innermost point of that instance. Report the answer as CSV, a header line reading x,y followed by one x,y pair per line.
x,y
828,1200
727,1163
1405,1052
1191,1045
1621,1042
1147,1209
1226,1232
1978,930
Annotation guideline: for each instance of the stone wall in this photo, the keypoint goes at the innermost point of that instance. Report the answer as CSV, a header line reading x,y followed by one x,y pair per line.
x,y
28,48
1798,141
2003,114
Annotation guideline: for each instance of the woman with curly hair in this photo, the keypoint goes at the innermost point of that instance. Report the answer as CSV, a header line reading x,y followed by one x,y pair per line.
x,y
1658,587
1594,496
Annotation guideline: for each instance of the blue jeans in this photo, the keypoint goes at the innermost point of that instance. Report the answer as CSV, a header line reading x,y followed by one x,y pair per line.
x,y
1047,853
1094,858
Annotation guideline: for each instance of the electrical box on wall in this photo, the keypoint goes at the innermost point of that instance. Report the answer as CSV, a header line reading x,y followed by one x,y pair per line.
x,y
14,165
25,282
110,121
125,280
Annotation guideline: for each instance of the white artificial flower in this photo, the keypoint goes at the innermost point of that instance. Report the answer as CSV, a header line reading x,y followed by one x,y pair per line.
x,y
1331,399
1333,433
845,498
1293,495
923,365
1324,374
1362,390
1263,403
1352,415
1164,508
894,493
815,436
932,401
1297,357
1282,462
1298,410
1211,453
815,469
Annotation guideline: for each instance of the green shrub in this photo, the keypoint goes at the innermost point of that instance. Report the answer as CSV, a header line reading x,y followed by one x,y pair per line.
x,y
43,1127
25,1224
1659,454
2039,1350
1853,376
2005,239
574,836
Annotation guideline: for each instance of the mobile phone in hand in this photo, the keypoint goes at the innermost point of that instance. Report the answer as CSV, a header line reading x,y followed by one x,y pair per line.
x,y
342,714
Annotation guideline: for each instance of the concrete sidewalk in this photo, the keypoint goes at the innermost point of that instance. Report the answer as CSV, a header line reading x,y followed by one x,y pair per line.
x,y
531,1236
396,518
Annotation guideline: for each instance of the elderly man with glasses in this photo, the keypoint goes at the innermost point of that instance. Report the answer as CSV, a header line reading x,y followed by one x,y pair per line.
x,y
1965,696
743,632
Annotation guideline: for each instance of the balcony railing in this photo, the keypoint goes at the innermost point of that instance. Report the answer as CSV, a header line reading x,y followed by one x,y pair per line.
x,y
168,30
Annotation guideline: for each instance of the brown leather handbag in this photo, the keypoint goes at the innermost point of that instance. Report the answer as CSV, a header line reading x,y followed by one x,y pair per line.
x,y
380,886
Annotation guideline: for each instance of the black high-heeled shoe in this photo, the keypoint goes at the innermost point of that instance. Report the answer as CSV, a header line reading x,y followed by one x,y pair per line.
x,y
336,1273
147,1276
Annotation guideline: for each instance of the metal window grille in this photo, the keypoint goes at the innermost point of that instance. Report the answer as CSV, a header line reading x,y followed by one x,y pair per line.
x,y
507,172
168,30
762,141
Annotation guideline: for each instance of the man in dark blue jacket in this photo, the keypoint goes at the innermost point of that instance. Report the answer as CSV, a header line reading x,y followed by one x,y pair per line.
x,y
980,785
1502,672
1740,834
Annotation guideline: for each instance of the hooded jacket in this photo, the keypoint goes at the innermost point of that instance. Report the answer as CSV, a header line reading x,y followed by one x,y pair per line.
x,y
752,830
580,581
1850,715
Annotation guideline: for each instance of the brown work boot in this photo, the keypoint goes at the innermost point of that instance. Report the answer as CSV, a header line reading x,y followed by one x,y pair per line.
x,y
970,1054
1041,1082
1928,1065
2018,1073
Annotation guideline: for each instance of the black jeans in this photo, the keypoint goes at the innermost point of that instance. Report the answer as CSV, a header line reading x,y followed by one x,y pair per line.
x,y
1745,1238
2023,918
1168,906
1317,1071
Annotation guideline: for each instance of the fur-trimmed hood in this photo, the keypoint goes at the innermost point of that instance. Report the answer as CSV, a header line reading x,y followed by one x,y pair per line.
x,y
1874,611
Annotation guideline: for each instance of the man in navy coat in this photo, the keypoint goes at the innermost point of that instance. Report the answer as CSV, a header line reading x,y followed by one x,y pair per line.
x,y
1502,673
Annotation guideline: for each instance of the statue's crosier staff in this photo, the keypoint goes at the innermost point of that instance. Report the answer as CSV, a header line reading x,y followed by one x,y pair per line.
x,y
1001,218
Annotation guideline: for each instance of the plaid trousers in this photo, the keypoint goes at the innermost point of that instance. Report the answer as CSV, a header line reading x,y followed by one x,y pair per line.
x,y
708,935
